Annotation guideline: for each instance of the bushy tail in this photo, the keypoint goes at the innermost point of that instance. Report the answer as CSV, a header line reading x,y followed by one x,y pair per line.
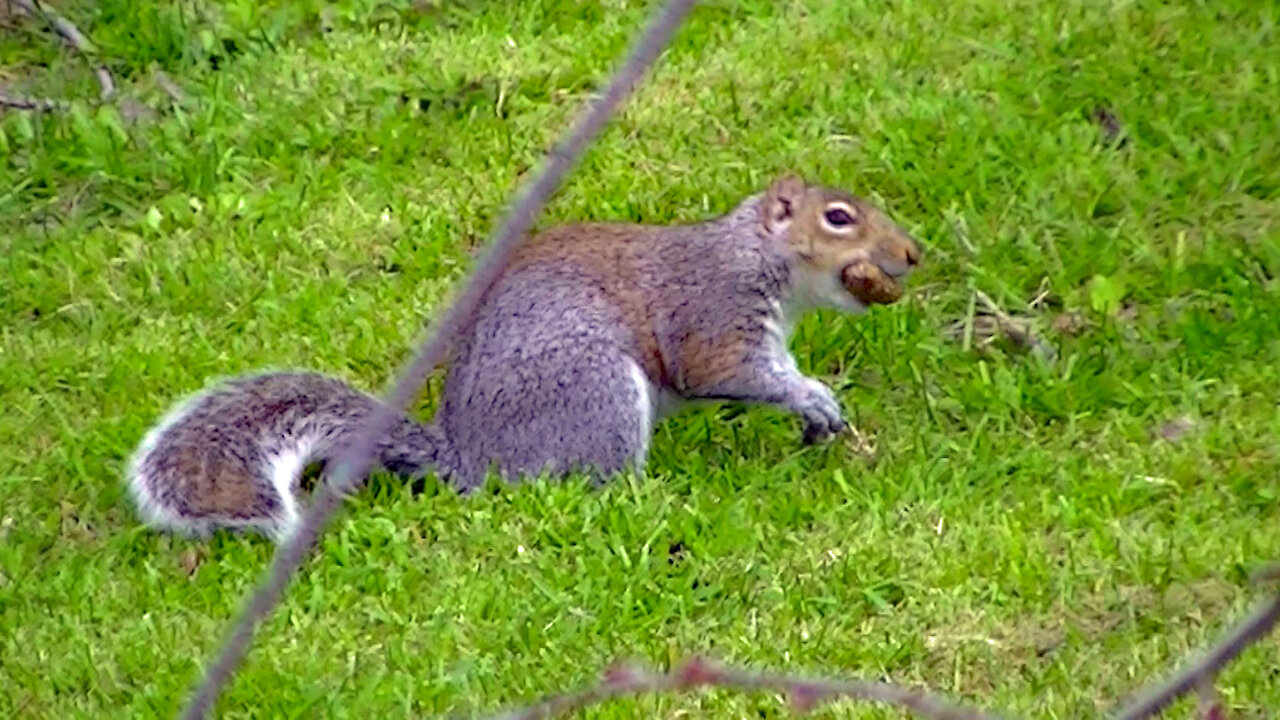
x,y
232,456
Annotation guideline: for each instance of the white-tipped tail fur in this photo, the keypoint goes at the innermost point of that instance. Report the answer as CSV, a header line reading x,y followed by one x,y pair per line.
x,y
154,513
283,467
232,454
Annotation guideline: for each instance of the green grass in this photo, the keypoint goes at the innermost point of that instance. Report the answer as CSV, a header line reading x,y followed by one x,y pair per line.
x,y
1024,541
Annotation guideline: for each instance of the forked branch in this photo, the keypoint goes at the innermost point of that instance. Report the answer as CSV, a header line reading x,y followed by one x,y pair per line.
x,y
623,679
804,693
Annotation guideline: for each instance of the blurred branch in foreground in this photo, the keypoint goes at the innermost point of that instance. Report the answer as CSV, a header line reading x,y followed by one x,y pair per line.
x,y
805,693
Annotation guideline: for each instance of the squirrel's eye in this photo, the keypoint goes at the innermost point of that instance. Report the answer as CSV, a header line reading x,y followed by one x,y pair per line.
x,y
838,217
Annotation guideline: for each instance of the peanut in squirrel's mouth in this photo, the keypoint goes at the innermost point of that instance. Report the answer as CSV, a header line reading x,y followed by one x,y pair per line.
x,y
870,283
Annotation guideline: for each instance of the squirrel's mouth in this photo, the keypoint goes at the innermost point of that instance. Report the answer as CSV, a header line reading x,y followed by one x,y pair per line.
x,y
871,284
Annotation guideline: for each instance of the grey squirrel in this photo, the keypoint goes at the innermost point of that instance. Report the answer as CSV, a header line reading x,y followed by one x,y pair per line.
x,y
591,334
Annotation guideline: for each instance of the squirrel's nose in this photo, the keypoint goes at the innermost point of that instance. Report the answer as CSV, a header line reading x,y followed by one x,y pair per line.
x,y
898,254
910,250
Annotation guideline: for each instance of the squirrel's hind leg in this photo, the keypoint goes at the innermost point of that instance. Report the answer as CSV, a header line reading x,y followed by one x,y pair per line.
x,y
585,409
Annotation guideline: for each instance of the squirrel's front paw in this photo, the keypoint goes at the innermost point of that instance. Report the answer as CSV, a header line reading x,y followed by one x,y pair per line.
x,y
821,412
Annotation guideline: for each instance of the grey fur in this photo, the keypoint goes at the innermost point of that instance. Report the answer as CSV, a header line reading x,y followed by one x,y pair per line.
x,y
548,378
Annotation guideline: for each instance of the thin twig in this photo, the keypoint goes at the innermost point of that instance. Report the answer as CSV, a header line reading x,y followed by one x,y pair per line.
x,y
60,25
354,464
1251,630
104,81
76,39
1021,333
22,102
993,321
170,87
804,692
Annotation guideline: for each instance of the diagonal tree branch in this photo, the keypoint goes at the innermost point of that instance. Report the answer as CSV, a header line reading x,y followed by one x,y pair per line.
x,y
1200,674
355,462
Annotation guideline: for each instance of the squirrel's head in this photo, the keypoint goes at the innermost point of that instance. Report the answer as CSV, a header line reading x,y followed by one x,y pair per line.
x,y
848,253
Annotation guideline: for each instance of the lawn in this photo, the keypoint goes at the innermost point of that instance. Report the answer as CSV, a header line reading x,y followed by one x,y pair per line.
x,y
301,184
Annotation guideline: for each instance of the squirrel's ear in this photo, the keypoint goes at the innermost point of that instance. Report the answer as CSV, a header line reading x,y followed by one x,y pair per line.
x,y
780,203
